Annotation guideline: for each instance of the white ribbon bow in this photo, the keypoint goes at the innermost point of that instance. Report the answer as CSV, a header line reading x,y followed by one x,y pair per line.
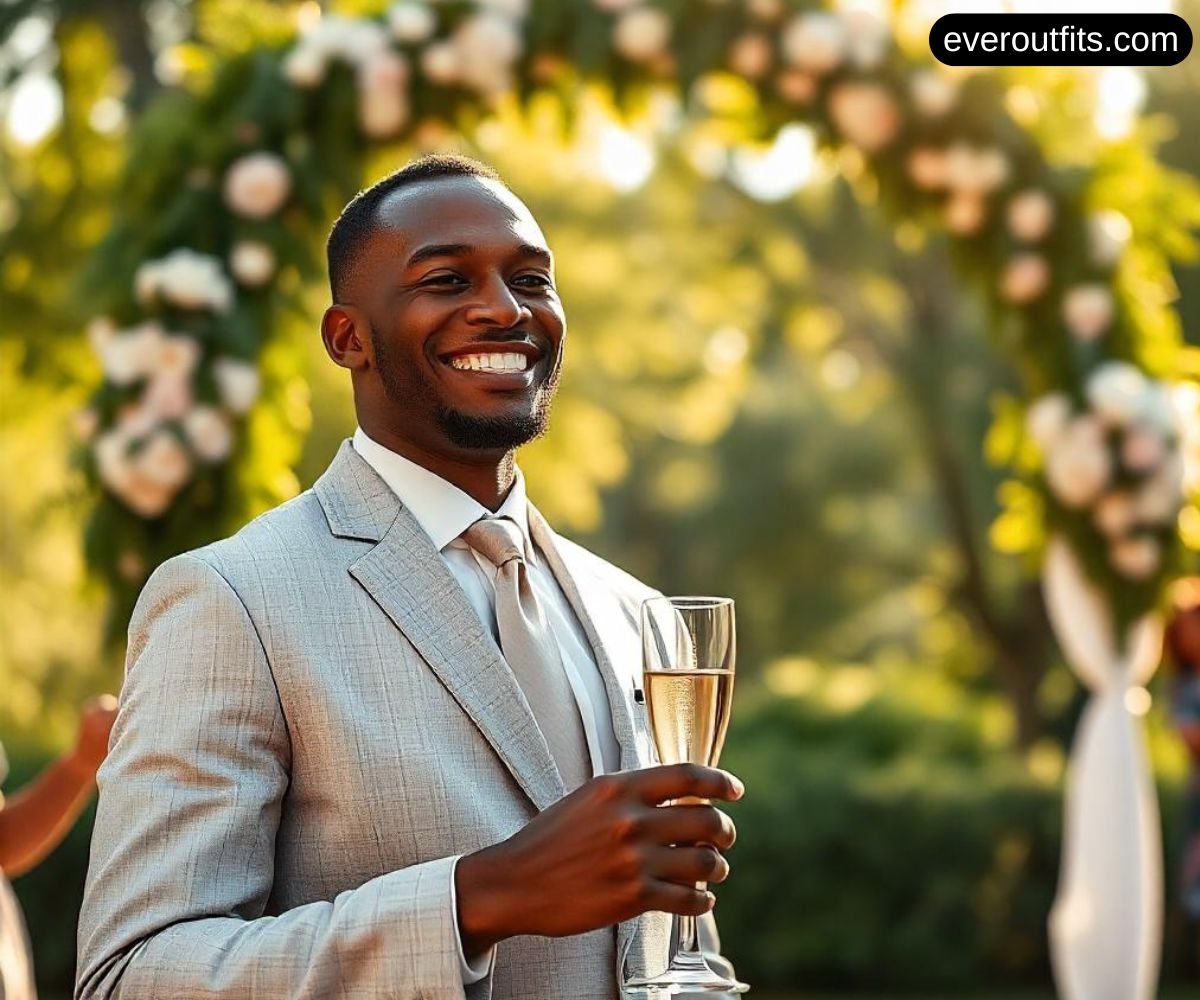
x,y
1106,925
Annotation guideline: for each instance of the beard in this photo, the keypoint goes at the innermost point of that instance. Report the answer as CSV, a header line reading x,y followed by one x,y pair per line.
x,y
405,384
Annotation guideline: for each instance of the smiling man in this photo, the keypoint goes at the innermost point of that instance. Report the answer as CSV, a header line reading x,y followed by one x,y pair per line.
x,y
384,740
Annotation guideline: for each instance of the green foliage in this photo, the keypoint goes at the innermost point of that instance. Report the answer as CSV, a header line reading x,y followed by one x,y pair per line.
x,y
883,844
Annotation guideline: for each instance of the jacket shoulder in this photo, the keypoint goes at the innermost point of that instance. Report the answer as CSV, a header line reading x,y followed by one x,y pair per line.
x,y
290,535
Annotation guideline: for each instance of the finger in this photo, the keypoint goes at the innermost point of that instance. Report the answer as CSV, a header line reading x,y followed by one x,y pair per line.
x,y
690,825
673,781
687,901
688,865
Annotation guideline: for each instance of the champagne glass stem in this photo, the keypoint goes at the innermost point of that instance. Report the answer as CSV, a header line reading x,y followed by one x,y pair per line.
x,y
689,943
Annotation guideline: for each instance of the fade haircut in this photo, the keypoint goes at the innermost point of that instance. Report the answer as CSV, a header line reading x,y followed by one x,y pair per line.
x,y
359,218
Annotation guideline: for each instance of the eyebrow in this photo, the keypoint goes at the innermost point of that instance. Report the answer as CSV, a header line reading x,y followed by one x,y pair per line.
x,y
462,249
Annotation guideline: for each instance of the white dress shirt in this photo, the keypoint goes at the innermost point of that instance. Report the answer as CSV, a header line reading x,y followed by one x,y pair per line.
x,y
444,512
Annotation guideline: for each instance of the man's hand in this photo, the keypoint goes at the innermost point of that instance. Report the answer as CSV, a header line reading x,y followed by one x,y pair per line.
x,y
601,855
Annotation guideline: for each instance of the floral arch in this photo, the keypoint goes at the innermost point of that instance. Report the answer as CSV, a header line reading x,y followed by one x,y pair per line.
x,y
225,194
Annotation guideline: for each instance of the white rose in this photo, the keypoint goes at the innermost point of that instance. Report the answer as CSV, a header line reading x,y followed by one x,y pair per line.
x,y
111,451
815,42
1088,310
383,95
237,382
304,67
187,279
128,356
641,34
932,93
1137,558
965,213
146,282
168,397
1108,234
975,170
750,55
209,433
136,420
1030,215
865,113
796,86
440,63
868,38
177,356
257,185
1116,513
1143,449
1115,391
411,22
1025,278
1158,411
1078,466
489,38
252,263
1161,496
927,168
1047,418
163,461
487,46
352,40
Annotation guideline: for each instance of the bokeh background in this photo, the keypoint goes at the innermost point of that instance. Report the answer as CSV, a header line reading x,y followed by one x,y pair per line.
x,y
771,393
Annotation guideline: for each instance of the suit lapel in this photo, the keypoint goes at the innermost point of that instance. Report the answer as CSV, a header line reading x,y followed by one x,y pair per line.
x,y
407,577
612,630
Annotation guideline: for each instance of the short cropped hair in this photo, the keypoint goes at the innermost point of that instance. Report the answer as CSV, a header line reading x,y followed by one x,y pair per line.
x,y
359,218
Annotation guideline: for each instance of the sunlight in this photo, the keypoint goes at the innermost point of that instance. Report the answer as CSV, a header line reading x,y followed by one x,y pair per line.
x,y
622,158
783,168
35,107
1120,94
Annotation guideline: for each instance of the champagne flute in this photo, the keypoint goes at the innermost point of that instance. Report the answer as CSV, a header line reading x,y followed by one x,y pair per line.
x,y
688,650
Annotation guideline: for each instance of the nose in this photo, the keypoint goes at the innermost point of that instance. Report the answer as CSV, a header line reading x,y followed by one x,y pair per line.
x,y
496,306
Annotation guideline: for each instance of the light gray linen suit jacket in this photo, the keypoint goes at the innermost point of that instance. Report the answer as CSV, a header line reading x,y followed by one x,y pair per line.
x,y
314,725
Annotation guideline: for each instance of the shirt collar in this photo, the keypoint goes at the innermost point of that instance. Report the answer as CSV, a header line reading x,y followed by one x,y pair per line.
x,y
442,510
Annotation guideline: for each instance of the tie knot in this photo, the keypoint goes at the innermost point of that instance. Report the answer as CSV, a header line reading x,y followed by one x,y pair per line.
x,y
497,539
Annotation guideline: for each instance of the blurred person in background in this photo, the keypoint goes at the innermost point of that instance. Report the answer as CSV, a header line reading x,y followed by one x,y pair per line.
x,y
34,821
1183,651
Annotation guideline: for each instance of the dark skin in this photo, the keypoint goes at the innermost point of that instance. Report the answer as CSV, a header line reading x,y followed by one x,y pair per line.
x,y
458,268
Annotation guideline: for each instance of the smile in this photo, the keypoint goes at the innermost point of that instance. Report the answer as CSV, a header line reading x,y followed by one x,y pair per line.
x,y
507,362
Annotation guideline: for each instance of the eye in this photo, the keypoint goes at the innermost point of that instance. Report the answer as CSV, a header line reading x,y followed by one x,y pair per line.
x,y
537,281
444,279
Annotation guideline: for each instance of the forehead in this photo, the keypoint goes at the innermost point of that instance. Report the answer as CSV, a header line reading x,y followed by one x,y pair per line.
x,y
448,210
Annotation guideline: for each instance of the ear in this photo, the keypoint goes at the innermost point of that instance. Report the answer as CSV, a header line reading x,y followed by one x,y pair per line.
x,y
345,332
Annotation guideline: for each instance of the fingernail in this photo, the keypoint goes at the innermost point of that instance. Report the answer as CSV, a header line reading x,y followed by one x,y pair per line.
x,y
739,788
712,900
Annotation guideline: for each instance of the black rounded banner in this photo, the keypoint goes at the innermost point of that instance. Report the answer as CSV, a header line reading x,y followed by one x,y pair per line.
x,y
1060,39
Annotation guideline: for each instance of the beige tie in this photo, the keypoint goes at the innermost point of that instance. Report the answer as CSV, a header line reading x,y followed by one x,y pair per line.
x,y
530,648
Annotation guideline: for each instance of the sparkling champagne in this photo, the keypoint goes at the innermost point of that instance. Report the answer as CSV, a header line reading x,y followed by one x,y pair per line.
x,y
689,714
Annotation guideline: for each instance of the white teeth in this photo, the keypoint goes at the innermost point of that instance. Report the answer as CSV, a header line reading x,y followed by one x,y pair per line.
x,y
509,362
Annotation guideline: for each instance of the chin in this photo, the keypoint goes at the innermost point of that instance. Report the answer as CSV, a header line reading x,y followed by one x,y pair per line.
x,y
492,432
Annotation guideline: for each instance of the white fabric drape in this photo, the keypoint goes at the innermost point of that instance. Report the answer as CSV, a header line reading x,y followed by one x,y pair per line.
x,y
1106,925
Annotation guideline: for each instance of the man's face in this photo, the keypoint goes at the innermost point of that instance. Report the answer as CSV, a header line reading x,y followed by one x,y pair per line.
x,y
457,285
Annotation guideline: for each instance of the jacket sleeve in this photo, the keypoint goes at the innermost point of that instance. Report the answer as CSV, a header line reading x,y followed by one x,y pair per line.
x,y
182,861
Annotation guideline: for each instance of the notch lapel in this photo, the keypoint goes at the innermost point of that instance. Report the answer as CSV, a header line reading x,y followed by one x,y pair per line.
x,y
644,939
407,577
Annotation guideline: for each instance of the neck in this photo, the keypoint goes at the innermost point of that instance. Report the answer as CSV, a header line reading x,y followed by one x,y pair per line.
x,y
484,476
